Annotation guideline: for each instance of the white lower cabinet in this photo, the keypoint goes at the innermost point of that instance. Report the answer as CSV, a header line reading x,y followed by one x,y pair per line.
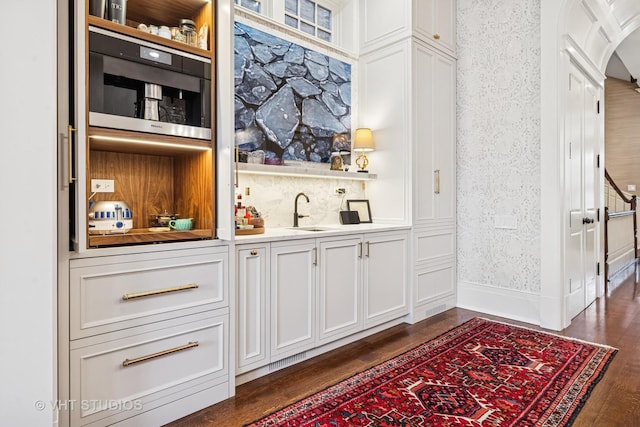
x,y
316,291
116,379
386,267
148,336
252,349
339,288
292,297
434,281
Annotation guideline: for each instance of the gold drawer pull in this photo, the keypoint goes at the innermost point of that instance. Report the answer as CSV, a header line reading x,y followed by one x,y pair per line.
x,y
129,362
70,130
437,181
127,297
436,36
254,252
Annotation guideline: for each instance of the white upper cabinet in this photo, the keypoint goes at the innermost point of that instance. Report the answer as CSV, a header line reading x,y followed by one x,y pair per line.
x,y
435,22
383,22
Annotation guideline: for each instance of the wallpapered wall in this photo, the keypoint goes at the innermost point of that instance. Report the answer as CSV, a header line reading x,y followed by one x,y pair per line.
x,y
498,169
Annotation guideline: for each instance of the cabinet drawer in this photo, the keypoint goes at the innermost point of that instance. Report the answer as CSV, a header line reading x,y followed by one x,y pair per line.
x,y
120,378
113,296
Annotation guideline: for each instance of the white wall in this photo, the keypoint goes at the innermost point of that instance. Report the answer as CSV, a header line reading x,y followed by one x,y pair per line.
x,y
27,213
498,143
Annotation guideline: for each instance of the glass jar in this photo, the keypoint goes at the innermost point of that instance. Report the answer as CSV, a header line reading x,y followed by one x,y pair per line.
x,y
188,32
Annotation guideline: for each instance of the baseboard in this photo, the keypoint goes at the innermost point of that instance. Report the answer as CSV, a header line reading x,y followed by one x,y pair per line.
x,y
515,305
436,306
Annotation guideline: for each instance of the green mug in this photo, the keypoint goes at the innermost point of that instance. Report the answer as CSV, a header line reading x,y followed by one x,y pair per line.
x,y
181,224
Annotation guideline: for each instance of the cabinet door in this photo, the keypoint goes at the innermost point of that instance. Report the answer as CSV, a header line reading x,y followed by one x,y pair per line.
x,y
435,20
339,288
252,348
385,277
292,295
434,118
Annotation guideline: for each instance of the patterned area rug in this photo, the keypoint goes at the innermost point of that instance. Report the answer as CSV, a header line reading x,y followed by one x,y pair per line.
x,y
481,373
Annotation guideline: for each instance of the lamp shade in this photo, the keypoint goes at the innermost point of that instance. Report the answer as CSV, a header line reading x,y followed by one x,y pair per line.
x,y
364,140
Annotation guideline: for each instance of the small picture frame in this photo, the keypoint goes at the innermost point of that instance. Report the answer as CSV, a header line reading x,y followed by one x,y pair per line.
x,y
363,209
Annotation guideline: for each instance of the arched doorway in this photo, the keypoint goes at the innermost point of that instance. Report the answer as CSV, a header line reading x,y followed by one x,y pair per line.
x,y
582,34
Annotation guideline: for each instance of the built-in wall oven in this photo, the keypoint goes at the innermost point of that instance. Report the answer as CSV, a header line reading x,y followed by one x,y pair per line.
x,y
140,86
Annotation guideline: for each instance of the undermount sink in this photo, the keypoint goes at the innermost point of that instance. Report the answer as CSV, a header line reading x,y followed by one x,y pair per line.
x,y
311,228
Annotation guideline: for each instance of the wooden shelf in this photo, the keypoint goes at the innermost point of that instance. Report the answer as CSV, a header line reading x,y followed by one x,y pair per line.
x,y
143,235
134,32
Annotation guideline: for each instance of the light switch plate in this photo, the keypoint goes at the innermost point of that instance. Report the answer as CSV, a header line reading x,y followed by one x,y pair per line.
x,y
508,222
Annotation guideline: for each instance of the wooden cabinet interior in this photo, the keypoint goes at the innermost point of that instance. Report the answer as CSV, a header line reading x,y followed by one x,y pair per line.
x,y
153,173
181,183
169,13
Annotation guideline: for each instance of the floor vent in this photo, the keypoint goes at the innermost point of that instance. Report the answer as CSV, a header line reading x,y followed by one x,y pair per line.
x,y
291,360
436,310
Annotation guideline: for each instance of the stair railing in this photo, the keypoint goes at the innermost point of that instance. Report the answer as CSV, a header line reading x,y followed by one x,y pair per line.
x,y
632,201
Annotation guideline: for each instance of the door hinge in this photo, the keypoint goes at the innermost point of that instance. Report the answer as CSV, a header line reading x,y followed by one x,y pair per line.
x,y
598,269
598,107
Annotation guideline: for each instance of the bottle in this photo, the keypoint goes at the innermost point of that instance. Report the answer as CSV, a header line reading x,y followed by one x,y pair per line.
x,y
241,211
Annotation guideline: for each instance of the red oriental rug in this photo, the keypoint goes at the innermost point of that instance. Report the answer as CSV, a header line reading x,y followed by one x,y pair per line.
x,y
481,373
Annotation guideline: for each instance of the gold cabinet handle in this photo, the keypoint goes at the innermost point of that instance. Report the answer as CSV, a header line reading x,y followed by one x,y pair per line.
x,y
129,362
360,250
315,256
436,36
127,297
437,181
237,176
70,130
254,252
367,254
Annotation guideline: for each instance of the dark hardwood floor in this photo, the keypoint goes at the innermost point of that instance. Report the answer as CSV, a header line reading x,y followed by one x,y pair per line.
x,y
612,320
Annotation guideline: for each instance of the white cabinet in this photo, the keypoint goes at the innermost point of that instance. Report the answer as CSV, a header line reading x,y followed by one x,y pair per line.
x,y
146,330
385,277
383,22
117,292
292,297
339,288
252,263
412,78
435,22
314,292
435,136
115,377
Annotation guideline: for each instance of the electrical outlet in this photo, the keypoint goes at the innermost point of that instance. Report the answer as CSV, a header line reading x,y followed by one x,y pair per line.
x,y
340,191
102,186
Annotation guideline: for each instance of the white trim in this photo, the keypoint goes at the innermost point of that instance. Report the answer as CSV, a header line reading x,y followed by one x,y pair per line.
x,y
509,303
581,59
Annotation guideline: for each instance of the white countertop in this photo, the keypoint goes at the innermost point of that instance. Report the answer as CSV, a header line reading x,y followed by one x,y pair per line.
x,y
290,233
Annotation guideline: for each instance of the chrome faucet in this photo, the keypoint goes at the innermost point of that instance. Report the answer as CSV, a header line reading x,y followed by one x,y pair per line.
x,y
296,215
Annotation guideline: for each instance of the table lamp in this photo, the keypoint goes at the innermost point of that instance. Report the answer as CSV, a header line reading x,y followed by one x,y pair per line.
x,y
362,144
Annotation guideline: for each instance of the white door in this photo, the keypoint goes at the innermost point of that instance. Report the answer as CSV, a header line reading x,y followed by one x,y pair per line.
x,y
582,141
591,189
